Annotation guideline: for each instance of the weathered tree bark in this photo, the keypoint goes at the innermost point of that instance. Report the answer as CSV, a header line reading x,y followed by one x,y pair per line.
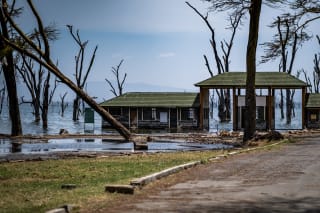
x,y
33,80
10,79
2,94
63,105
45,102
281,105
289,106
250,100
76,108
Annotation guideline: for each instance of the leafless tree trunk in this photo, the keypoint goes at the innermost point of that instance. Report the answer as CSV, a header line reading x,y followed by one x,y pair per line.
x,y
80,75
120,82
8,67
2,95
33,80
63,105
46,61
250,100
281,104
222,63
38,89
289,36
315,85
47,100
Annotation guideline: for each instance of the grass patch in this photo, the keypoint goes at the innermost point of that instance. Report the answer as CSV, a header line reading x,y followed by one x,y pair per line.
x,y
36,186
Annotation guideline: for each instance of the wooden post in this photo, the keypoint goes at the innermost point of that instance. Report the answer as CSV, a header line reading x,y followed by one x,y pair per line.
x,y
303,104
204,105
169,118
270,110
234,110
129,121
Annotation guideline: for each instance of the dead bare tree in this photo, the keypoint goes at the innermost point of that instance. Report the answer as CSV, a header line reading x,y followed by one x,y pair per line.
x,y
46,61
316,70
314,84
118,89
47,99
63,104
222,62
33,80
38,87
80,75
285,44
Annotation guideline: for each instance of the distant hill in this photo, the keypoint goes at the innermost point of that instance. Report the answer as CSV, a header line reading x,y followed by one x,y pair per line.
x,y
101,90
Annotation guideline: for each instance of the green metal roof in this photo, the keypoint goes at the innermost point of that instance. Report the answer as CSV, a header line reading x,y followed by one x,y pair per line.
x,y
154,99
263,80
313,101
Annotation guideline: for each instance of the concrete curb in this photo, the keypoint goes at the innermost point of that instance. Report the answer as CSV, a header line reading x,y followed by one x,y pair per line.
x,y
244,150
140,182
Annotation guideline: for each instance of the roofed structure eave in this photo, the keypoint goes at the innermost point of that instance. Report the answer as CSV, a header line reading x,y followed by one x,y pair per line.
x,y
243,87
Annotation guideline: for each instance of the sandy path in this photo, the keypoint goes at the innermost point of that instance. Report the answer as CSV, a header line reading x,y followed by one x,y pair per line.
x,y
281,180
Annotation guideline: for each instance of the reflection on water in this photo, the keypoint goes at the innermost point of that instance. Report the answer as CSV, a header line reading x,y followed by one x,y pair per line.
x,y
97,145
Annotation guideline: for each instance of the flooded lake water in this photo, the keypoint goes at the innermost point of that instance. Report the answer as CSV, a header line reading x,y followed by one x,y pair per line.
x,y
57,122
97,145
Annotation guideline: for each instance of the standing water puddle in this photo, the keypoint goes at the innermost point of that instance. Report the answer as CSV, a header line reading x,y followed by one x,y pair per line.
x,y
98,145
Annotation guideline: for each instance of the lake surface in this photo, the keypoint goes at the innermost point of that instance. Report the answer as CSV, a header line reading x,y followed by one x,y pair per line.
x,y
98,145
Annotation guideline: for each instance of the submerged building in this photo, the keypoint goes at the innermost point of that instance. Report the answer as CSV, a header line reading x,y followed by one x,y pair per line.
x,y
174,110
164,110
265,83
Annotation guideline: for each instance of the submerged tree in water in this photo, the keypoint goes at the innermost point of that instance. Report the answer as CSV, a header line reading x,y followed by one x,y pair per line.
x,y
44,51
80,75
222,62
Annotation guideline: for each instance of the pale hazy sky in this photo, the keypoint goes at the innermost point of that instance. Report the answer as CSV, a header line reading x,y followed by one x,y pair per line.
x,y
161,41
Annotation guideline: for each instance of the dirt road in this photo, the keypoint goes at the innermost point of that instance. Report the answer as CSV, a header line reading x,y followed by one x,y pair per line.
x,y
285,179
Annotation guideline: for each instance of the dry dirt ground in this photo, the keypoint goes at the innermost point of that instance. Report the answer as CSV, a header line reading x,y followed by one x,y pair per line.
x,y
285,179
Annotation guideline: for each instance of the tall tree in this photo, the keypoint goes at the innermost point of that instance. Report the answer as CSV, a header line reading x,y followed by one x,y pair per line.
x,y
250,100
46,61
118,89
254,9
222,62
80,75
8,66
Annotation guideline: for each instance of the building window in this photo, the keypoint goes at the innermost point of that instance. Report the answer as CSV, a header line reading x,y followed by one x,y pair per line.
x,y
191,113
313,117
154,114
